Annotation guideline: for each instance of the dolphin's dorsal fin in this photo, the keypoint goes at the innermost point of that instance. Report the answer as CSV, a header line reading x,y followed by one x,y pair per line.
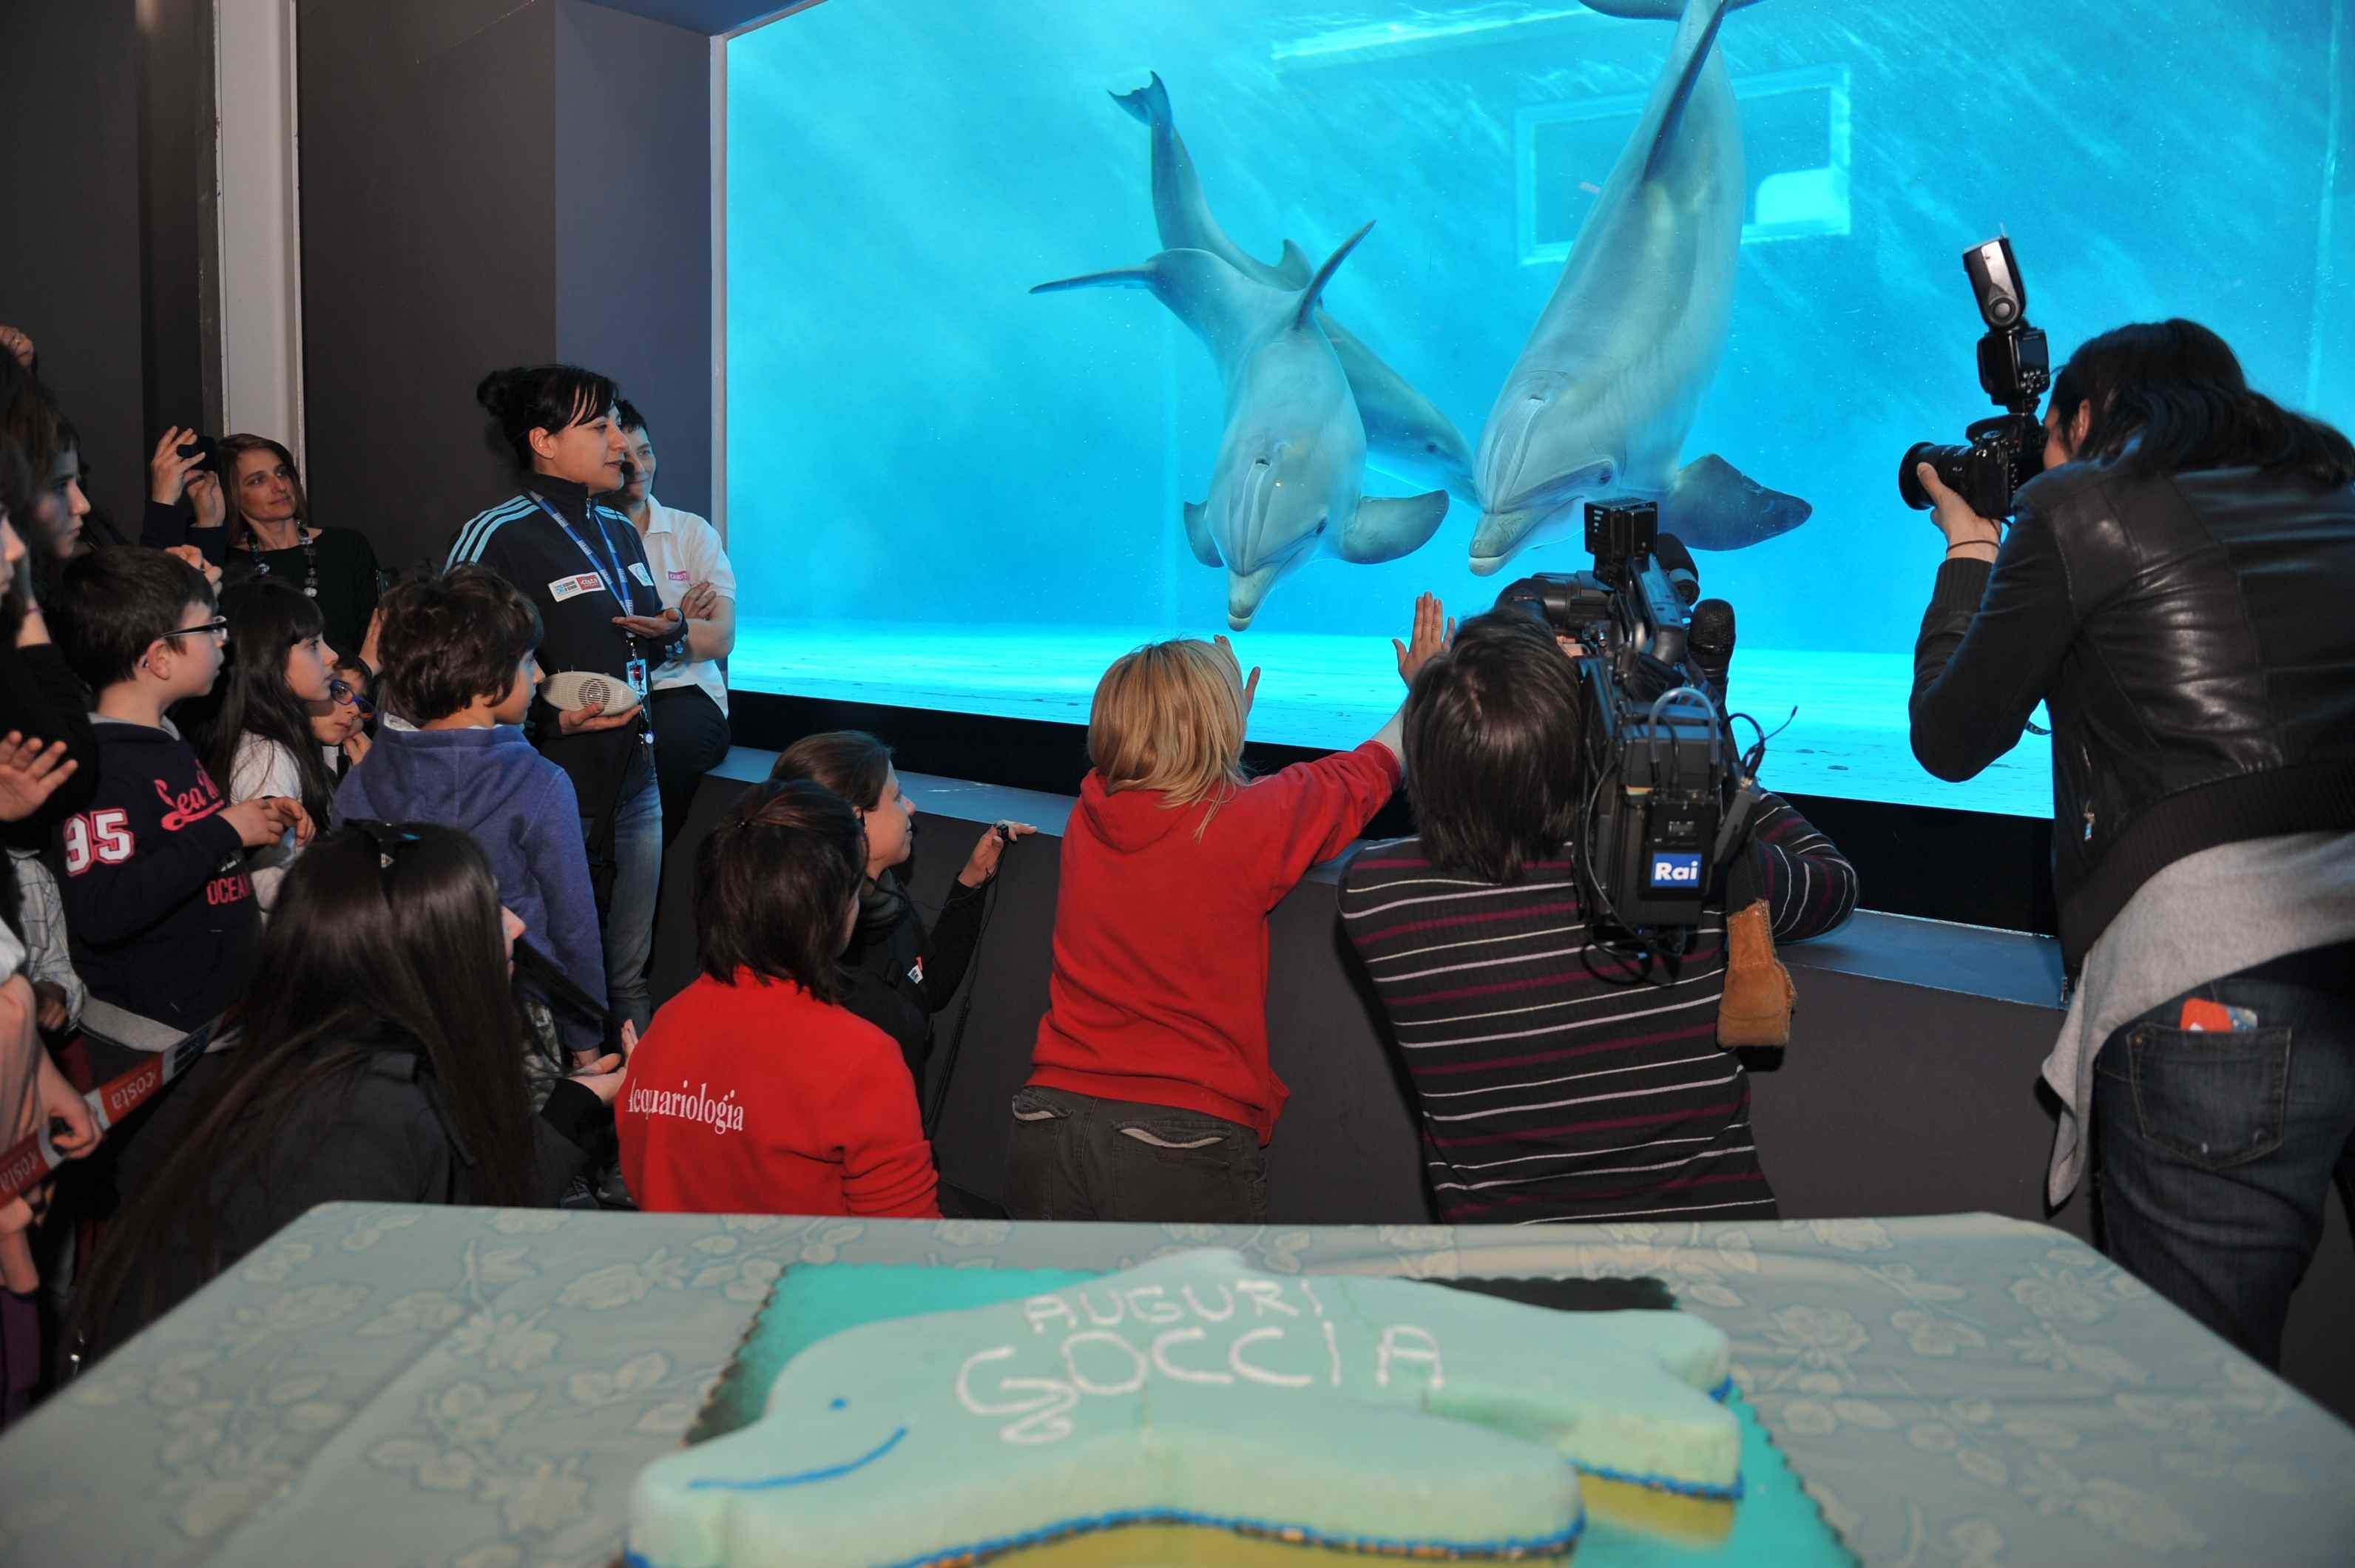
x,y
1688,74
1304,308
1291,265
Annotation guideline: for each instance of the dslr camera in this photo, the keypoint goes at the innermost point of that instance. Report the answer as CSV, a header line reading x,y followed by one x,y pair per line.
x,y
1662,792
2002,454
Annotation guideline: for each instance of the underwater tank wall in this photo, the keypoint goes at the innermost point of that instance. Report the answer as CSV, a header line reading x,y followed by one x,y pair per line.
x,y
946,491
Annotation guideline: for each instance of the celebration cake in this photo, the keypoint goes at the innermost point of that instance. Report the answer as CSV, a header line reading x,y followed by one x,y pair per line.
x,y
1196,1410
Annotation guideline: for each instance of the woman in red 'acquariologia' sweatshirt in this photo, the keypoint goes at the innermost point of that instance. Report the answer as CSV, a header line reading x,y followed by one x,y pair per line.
x,y
1150,1095
754,1091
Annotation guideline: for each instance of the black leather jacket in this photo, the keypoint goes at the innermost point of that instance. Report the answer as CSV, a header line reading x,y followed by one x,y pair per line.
x,y
2194,636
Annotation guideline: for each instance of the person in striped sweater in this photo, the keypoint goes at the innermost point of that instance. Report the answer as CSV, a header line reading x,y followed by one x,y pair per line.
x,y
1556,1080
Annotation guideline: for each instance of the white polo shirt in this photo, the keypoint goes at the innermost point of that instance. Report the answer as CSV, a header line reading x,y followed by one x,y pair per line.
x,y
682,549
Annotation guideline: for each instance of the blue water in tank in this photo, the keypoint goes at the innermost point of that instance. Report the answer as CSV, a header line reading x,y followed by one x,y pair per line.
x,y
943,490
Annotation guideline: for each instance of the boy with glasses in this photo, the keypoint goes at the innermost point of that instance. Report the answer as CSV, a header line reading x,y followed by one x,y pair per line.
x,y
158,907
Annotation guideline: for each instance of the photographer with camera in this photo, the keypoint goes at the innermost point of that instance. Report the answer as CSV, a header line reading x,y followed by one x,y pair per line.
x,y
2174,589
1558,1075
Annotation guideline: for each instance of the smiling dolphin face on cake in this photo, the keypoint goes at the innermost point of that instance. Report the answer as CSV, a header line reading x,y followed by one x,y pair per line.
x,y
1194,1390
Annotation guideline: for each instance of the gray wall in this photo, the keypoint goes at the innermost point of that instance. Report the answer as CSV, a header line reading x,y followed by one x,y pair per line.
x,y
75,119
487,184
1910,1086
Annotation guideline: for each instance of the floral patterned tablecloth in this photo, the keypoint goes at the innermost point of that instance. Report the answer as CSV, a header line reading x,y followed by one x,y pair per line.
x,y
393,1384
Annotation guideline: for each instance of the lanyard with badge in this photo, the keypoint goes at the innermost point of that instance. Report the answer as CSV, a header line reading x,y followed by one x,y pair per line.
x,y
610,572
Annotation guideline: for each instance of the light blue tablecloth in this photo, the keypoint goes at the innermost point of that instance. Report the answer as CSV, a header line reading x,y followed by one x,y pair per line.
x,y
396,1385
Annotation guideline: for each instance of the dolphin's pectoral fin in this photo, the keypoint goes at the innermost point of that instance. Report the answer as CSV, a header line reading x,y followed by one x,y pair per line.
x,y
1714,506
1293,267
1118,278
1687,77
1386,527
1197,534
1149,104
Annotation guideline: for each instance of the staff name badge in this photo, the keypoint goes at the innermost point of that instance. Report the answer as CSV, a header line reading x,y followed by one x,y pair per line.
x,y
677,576
638,570
572,587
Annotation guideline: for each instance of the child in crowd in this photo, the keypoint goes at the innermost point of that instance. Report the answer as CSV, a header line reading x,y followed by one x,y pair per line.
x,y
342,723
1605,1094
157,900
378,1062
756,1091
1150,1095
457,679
255,732
899,973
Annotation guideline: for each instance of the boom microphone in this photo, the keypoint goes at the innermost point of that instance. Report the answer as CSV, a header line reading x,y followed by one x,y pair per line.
x,y
1677,562
1709,643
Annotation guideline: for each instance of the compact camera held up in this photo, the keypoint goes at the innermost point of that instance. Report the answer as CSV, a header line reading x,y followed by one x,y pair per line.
x,y
2004,453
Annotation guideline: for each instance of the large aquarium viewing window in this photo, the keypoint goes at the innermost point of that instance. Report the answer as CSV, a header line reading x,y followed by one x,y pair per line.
x,y
947,491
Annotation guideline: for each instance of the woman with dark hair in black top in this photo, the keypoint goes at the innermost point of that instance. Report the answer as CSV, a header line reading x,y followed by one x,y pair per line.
x,y
605,631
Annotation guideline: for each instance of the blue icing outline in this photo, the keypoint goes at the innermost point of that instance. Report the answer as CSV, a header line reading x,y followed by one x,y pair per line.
x,y
1550,1545
1723,1390
831,1472
1664,1483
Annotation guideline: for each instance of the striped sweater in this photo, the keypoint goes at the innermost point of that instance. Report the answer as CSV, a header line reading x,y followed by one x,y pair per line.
x,y
1554,1080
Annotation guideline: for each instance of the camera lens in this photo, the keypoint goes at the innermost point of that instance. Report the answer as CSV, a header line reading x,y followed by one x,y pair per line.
x,y
1948,460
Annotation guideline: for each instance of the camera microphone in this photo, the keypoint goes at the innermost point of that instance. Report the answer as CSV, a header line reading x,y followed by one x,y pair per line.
x,y
1709,643
1675,562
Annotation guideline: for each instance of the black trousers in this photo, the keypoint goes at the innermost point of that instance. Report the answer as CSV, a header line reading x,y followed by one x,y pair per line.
x,y
690,740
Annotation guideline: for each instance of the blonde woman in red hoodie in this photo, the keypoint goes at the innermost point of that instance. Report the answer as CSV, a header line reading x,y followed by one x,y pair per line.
x,y
1150,1096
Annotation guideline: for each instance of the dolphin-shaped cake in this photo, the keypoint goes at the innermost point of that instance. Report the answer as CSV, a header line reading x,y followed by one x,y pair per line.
x,y
1606,389
1289,481
1406,435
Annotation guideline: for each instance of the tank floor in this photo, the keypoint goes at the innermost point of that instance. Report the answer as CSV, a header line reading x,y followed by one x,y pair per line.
x,y
1849,740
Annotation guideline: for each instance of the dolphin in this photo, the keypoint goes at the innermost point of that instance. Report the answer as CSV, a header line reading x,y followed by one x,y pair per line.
x,y
1613,373
1406,435
1289,481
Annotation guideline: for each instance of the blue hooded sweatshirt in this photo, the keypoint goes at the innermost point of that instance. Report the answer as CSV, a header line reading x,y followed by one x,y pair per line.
x,y
520,808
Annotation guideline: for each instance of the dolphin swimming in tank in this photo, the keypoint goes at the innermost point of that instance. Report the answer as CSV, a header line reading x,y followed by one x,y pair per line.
x,y
1406,435
1606,387
1289,481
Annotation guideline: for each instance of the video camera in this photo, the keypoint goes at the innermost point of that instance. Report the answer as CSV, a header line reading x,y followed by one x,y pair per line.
x,y
1665,794
2007,451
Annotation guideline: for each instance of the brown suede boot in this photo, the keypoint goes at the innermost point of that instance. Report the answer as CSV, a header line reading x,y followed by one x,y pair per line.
x,y
1756,1006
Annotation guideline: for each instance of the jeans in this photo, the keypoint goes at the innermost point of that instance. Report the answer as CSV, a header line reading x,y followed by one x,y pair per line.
x,y
690,740
629,916
2214,1150
1077,1158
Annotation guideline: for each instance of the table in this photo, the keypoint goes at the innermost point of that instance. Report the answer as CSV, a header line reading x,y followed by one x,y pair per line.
x,y
386,1383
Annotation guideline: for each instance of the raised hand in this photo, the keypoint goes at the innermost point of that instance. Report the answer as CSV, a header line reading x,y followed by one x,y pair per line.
x,y
1431,632
1251,684
195,558
205,496
29,773
167,471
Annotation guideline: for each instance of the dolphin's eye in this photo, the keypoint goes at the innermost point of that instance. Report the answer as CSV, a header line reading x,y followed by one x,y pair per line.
x,y
1432,447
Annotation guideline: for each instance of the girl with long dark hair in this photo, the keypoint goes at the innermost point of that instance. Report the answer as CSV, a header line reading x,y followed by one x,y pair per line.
x,y
254,732
378,1060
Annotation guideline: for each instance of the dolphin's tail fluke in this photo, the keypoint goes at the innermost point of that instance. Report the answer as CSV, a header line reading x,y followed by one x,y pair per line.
x,y
1713,504
1305,308
1149,104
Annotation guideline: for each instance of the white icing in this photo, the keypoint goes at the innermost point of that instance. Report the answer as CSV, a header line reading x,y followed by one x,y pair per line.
x,y
1137,1365
1118,1310
1332,1344
1201,1311
1390,1350
1261,1374
1042,1309
1156,1311
1184,1374
1266,1296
